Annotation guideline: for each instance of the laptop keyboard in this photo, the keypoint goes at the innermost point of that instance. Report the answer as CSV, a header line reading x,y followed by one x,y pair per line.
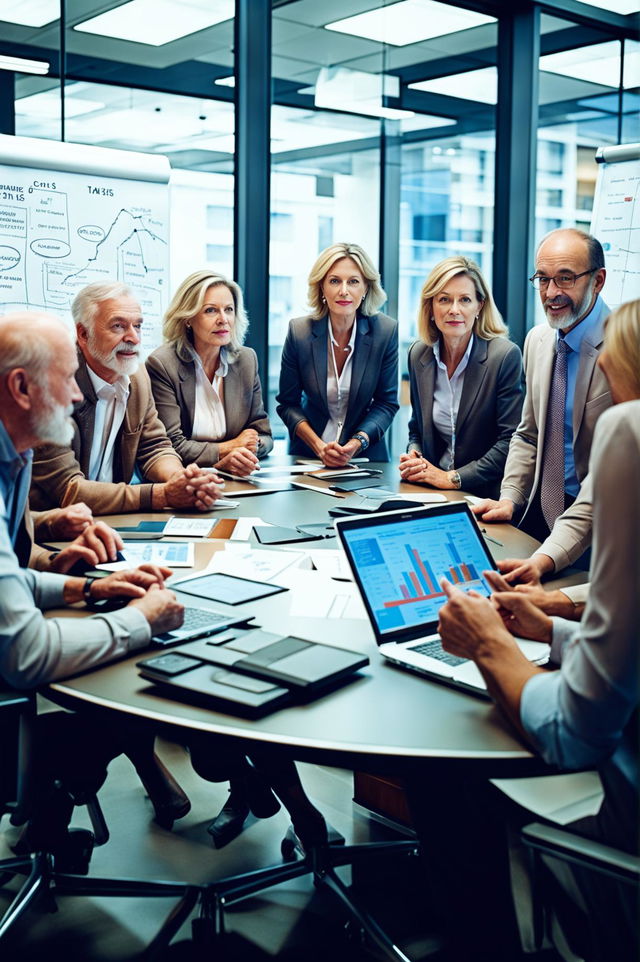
x,y
199,618
435,650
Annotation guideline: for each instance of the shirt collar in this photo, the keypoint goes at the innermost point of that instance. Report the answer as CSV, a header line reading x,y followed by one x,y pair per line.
x,y
589,327
352,339
223,361
120,386
8,454
465,357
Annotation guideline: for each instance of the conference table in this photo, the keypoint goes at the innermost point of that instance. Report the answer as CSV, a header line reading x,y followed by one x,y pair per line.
x,y
386,720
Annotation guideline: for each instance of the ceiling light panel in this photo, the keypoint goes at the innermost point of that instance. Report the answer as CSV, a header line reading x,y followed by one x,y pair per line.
x,y
29,13
46,105
598,64
157,22
409,21
19,65
479,85
623,7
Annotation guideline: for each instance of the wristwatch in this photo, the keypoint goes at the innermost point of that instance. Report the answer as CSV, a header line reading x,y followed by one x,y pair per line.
x,y
362,438
455,479
86,591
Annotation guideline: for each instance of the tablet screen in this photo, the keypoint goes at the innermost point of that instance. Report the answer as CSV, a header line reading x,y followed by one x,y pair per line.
x,y
228,589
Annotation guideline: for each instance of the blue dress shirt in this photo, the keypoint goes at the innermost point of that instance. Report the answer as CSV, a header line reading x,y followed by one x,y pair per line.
x,y
591,327
15,480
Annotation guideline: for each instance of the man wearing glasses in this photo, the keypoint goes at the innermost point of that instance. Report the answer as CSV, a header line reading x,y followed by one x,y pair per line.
x,y
566,393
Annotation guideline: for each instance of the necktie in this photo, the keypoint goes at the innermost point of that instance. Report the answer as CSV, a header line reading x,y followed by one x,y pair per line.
x,y
552,482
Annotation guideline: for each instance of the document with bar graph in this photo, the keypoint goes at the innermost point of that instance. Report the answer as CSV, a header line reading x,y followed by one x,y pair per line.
x,y
398,560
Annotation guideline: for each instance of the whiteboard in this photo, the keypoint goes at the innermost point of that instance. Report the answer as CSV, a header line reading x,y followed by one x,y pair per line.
x,y
71,215
616,220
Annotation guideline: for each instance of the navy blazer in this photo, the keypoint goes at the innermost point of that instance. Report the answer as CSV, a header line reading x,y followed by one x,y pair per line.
x,y
373,397
488,415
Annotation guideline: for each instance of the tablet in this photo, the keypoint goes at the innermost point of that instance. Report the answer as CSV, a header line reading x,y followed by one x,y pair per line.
x,y
227,589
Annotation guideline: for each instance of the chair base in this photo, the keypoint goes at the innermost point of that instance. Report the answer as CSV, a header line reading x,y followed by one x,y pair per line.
x,y
321,862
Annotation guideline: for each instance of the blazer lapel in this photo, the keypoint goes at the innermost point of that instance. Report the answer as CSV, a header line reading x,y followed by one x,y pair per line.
x,y
232,401
187,375
426,388
542,372
84,414
319,338
362,350
588,357
473,378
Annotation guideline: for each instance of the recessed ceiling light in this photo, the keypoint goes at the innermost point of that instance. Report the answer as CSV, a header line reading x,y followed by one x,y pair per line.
x,y
46,104
225,81
598,64
156,22
19,65
480,85
29,13
409,21
358,92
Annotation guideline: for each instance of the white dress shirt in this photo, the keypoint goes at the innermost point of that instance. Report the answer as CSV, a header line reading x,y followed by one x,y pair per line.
x,y
338,386
110,411
446,402
209,419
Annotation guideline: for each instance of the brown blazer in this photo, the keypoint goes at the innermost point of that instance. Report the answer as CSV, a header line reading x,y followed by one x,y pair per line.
x,y
173,381
60,473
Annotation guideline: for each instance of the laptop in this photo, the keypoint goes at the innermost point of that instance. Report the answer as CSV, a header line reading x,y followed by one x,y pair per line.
x,y
198,623
397,559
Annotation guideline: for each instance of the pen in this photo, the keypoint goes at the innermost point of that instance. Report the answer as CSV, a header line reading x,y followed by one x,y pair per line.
x,y
489,538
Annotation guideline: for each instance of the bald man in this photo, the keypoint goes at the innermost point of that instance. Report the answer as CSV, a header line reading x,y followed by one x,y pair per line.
x,y
37,389
569,276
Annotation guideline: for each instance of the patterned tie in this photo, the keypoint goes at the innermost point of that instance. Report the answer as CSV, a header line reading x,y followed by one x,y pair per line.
x,y
552,482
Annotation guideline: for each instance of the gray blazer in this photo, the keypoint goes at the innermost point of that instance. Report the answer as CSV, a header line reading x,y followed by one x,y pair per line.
x,y
373,398
488,415
173,381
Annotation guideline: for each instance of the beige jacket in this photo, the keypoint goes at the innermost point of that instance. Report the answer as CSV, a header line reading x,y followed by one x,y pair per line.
x,y
60,473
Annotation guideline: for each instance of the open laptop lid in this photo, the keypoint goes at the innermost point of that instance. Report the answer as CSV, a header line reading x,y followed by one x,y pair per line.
x,y
398,558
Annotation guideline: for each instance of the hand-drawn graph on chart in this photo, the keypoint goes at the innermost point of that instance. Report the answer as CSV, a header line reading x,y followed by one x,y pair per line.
x,y
61,231
616,224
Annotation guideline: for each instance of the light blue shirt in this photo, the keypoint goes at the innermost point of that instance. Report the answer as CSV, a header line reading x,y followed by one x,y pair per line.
x,y
15,480
583,714
590,327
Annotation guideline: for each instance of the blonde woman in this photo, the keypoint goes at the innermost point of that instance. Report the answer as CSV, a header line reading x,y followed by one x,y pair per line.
x,y
466,384
339,372
205,383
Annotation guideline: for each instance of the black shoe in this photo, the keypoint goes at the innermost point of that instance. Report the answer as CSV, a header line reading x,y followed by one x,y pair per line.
x,y
293,848
165,794
262,802
229,821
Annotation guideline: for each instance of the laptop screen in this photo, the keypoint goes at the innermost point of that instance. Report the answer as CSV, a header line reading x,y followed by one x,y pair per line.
x,y
399,558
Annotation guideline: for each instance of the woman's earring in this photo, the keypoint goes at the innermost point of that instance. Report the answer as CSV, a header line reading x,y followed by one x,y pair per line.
x,y
324,300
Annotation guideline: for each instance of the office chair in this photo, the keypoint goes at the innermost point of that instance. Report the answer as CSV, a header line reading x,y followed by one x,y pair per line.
x,y
548,840
44,880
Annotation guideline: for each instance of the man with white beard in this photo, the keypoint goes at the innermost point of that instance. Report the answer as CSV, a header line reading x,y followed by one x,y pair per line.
x,y
116,427
547,465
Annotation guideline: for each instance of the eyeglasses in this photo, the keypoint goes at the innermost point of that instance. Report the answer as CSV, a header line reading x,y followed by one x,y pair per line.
x,y
564,281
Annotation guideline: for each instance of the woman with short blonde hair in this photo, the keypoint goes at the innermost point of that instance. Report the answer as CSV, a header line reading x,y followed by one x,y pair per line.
x,y
205,383
339,371
466,384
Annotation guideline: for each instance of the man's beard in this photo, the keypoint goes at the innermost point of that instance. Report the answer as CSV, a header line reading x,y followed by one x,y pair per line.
x,y
119,365
577,312
52,423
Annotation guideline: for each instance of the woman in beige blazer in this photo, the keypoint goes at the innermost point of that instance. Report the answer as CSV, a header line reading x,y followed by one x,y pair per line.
x,y
205,383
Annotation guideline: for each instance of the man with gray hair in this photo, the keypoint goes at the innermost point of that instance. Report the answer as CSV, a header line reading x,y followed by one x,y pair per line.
x,y
37,389
116,429
548,459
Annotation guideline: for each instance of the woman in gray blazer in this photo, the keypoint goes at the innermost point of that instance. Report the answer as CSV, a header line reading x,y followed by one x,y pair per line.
x,y
205,384
339,371
466,384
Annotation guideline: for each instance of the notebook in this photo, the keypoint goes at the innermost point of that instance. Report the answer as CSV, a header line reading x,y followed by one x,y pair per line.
x,y
397,559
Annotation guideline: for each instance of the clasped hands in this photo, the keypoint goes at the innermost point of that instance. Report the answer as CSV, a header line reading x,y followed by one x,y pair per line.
x,y
239,456
417,470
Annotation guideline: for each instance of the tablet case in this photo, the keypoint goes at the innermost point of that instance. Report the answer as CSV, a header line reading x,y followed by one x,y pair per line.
x,y
252,670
